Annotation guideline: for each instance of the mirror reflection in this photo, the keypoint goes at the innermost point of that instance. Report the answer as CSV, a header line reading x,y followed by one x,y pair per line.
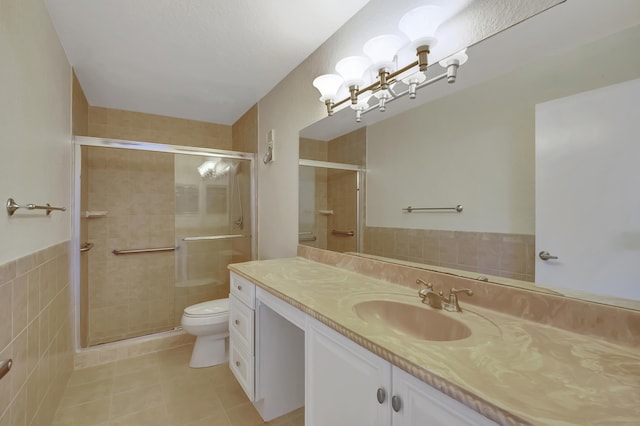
x,y
515,123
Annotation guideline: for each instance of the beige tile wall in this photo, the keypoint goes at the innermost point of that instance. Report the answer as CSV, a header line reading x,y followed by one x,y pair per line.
x,y
130,295
335,189
36,332
311,149
129,125
504,255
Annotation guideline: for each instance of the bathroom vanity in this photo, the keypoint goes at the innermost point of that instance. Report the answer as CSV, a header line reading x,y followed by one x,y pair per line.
x,y
357,350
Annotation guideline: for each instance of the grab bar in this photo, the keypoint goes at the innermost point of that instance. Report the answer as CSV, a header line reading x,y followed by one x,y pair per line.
x,y
146,250
5,366
86,247
343,233
213,237
12,206
410,209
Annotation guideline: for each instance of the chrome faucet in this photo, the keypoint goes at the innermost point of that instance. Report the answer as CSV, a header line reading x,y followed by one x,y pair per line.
x,y
437,300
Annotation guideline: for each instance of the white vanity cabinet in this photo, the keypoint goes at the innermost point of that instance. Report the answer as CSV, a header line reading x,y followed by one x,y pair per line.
x,y
346,385
242,332
266,348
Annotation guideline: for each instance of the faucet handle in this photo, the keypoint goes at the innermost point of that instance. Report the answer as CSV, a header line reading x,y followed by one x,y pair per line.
x,y
455,291
423,282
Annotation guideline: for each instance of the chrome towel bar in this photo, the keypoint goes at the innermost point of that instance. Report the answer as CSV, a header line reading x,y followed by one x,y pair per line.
x,y
214,237
86,247
12,206
5,366
343,233
307,238
410,209
146,250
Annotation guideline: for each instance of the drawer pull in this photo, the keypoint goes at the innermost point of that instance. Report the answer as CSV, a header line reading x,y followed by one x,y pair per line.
x,y
396,403
237,322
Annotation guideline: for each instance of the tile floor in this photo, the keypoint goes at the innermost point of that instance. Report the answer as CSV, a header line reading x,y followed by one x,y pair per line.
x,y
159,389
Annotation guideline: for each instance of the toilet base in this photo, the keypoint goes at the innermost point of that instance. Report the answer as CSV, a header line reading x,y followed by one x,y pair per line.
x,y
209,351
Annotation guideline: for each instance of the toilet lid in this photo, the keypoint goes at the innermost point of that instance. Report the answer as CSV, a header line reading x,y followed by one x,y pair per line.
x,y
208,309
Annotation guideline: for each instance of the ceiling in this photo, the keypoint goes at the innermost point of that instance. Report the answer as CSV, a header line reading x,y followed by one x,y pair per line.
x,y
207,60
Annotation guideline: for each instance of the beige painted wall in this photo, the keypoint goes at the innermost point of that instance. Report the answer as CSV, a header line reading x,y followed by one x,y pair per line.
x,y
35,167
293,105
35,135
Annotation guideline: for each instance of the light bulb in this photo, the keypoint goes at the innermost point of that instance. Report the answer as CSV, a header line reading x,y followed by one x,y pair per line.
x,y
352,69
420,24
382,51
328,85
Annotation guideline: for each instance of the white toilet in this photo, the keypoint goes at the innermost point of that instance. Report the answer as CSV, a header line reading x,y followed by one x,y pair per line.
x,y
209,322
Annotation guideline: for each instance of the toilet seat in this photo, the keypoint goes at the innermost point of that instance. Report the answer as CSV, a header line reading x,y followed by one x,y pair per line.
x,y
211,308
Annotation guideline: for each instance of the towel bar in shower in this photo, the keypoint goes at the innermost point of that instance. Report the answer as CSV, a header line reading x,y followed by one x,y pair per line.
x,y
343,233
5,366
146,250
86,247
410,209
12,206
213,237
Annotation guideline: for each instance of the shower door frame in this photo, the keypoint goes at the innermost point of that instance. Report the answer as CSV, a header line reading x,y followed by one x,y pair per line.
x,y
80,141
360,182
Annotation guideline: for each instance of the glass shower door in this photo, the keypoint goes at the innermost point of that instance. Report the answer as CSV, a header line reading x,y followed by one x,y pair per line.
x,y
212,226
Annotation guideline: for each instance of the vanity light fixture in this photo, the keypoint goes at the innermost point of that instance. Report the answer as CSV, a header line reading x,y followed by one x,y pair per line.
x,y
361,78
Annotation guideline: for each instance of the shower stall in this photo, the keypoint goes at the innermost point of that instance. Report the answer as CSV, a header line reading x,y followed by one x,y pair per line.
x,y
329,205
157,227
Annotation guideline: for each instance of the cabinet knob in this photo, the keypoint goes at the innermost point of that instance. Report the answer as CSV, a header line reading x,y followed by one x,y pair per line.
x,y
239,287
396,403
237,322
237,363
381,395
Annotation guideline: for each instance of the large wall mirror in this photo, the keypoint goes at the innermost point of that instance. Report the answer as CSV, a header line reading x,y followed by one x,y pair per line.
x,y
481,143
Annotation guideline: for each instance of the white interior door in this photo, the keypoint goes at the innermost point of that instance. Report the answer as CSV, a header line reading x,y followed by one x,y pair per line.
x,y
588,191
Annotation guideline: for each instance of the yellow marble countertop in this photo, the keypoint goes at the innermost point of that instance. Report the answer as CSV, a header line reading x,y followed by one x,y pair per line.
x,y
511,370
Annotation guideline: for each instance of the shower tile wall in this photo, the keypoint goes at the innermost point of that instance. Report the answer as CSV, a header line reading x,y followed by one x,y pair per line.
x,y
130,295
334,189
503,255
129,125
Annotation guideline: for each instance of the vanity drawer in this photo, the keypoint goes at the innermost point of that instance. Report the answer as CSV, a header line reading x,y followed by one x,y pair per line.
x,y
244,290
241,323
241,365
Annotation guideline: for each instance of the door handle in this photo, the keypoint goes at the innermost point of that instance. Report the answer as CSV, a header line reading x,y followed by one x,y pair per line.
x,y
545,255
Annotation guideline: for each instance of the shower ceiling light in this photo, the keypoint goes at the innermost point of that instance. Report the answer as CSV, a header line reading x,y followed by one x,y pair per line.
x,y
384,55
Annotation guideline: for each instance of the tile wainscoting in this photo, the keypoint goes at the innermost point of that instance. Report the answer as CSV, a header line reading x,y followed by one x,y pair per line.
x,y
503,255
36,332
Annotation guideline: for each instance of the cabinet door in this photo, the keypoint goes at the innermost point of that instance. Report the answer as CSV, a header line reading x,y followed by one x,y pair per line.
x,y
342,381
420,404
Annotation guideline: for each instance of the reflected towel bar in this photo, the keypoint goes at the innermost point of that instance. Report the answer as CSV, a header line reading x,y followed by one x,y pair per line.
x,y
12,206
147,250
214,237
307,238
343,233
86,247
410,209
